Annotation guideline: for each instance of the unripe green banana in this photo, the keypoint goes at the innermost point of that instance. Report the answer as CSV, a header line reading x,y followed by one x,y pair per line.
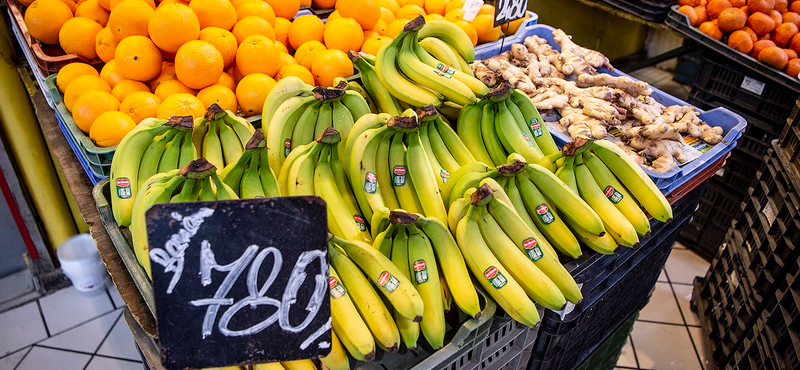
x,y
617,194
306,124
534,120
469,131
423,177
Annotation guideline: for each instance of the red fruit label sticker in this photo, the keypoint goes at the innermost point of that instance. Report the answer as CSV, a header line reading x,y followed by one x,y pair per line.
x,y
445,175
545,214
360,222
531,247
536,127
613,194
444,70
123,188
399,175
287,147
388,282
495,277
336,288
370,183
420,271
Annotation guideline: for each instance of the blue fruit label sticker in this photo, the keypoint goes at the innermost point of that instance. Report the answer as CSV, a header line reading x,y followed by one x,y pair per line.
x,y
613,194
399,175
287,147
420,271
388,282
336,288
445,175
536,127
527,138
495,277
370,183
444,70
123,188
544,213
360,222
531,247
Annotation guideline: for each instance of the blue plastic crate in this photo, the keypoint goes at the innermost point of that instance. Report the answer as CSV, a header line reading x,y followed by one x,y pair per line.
x,y
72,144
732,124
489,47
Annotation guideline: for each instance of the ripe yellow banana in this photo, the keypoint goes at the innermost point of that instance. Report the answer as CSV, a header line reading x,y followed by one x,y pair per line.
x,y
453,143
547,219
449,33
384,173
455,178
285,89
401,182
424,179
617,194
337,359
398,85
362,170
299,365
534,120
281,128
409,330
425,277
614,221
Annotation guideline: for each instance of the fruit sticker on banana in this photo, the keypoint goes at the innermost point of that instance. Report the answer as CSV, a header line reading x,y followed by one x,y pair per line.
x,y
399,175
613,194
420,271
532,249
536,127
544,213
336,288
495,277
444,174
123,187
370,183
360,222
388,282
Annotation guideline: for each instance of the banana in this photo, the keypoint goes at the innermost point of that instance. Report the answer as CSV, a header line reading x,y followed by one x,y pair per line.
x,y
453,143
546,219
188,193
447,297
522,123
364,123
304,129
232,147
406,195
337,359
384,173
383,241
243,129
565,200
375,314
462,64
469,131
424,180
268,366
285,89
452,265
384,101
250,186
212,148
343,185
449,33
172,153
494,278
198,134
232,173
281,127
427,76
363,173
222,191
440,173
356,106
283,175
380,222
152,155
443,156
324,119
536,247
301,176
188,151
386,276
497,189
456,176
491,141
354,86
347,324
614,221
438,49
513,140
343,118
566,173
617,194
409,330
634,179
470,180
393,81
601,244
517,203
269,182
536,283
534,120
299,365
425,277
323,180
206,191
476,86
458,209
549,161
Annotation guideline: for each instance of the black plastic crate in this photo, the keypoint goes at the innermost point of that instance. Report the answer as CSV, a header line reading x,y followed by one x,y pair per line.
x,y
718,207
607,354
649,10
740,172
565,342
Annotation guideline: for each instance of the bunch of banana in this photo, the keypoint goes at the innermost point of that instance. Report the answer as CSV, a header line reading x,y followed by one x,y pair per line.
x,y
316,169
290,365
154,146
383,100
220,136
250,176
505,121
411,74
301,118
512,261
196,181
342,83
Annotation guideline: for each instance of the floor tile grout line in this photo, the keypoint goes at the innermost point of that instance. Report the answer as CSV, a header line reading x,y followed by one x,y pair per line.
x,y
29,349
119,359
38,343
686,324
108,294
108,333
80,324
694,346
633,348
665,323
44,321
83,353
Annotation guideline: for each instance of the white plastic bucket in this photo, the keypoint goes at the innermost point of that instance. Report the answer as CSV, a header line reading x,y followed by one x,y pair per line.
x,y
82,264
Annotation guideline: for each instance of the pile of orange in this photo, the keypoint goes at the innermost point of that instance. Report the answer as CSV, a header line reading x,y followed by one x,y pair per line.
x,y
767,30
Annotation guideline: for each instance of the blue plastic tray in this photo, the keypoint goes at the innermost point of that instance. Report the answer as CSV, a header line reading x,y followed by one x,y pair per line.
x,y
533,19
81,159
732,124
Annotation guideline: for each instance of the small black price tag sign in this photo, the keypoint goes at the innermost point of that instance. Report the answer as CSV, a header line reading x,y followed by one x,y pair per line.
x,y
506,11
240,282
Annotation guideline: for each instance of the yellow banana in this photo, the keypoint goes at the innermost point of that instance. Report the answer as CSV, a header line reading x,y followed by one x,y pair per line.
x,y
425,277
337,359
617,194
614,221
398,85
347,323
547,219
423,177
409,330
469,131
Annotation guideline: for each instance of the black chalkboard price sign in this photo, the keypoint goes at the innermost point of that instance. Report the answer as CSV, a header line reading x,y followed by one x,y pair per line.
x,y
506,11
241,281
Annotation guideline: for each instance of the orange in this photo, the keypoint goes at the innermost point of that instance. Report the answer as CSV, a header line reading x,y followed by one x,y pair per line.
x,y
214,13
410,12
691,13
252,25
282,30
285,8
781,5
483,25
130,17
791,54
512,27
281,47
113,3
777,17
44,19
198,64
330,64
795,8
783,34
392,5
140,105
759,46
761,23
334,15
91,105
436,6
794,44
252,91
172,87
258,9
711,29
110,127
344,34
71,71
223,41
110,74
395,27
455,15
469,30
81,85
104,44
454,4
237,3
172,25
73,4
126,87
792,17
165,2
793,68
741,41
715,7
222,95
298,71
257,54
419,3
380,27
285,59
138,58
751,33
305,28
486,9
77,37
763,6
180,105
774,57
106,4
373,44
387,15
432,17
323,4
167,73
365,12
306,53
370,33
305,3
702,14
91,9
731,19
234,72
227,81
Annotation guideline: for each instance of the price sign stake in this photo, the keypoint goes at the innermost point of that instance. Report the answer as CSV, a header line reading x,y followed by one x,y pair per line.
x,y
506,11
241,281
